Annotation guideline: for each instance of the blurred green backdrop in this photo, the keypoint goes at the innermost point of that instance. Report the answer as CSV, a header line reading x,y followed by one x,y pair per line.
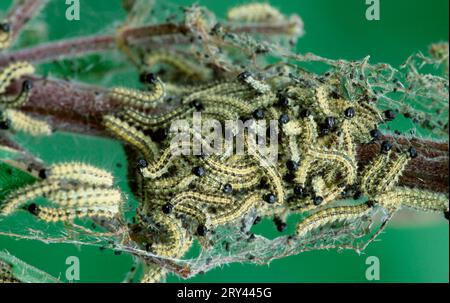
x,y
334,29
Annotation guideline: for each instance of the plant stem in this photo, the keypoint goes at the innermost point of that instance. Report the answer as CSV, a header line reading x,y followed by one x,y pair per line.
x,y
21,13
155,36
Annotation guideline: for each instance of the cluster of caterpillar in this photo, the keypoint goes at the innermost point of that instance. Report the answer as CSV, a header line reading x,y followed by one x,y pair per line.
x,y
318,166
185,197
75,190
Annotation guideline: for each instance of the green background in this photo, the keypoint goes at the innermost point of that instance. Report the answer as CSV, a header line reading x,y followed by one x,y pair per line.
x,y
334,29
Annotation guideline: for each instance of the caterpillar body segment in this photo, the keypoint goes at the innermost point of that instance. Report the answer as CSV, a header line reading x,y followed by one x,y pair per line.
x,y
322,103
174,239
197,197
232,89
215,182
236,104
146,121
335,157
23,123
222,113
169,185
132,136
86,197
391,173
257,85
191,210
331,215
237,210
303,171
272,173
80,173
50,214
348,145
19,197
230,170
413,198
140,99
264,100
159,167
371,172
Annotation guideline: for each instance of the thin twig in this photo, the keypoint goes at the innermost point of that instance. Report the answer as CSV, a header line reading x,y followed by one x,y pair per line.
x,y
21,13
156,36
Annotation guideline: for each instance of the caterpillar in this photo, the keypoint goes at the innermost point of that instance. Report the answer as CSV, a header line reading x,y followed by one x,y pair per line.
x,y
170,184
222,113
264,100
392,172
230,170
146,121
371,174
322,103
27,193
255,84
23,123
133,136
80,173
50,214
219,89
330,215
237,105
348,145
190,210
338,158
413,198
308,131
12,72
160,166
86,196
214,181
198,197
174,237
302,173
19,100
139,99
272,173
254,12
236,211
